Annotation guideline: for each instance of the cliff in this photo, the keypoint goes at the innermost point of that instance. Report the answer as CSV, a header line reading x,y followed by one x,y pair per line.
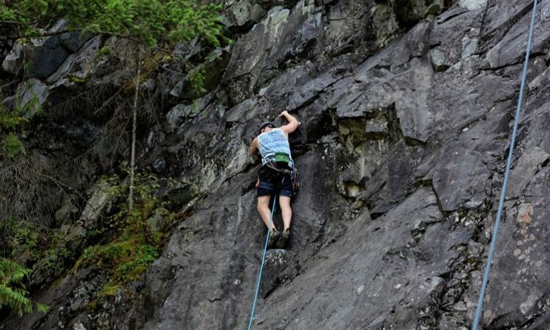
x,y
406,111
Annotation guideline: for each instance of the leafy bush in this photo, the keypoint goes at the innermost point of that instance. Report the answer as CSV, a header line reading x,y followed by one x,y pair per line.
x,y
13,146
125,259
12,290
137,245
12,122
29,244
196,80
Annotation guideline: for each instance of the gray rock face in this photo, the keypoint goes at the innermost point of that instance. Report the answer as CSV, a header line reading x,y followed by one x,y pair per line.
x,y
44,55
418,263
509,50
409,12
306,32
78,65
14,60
239,14
30,96
212,69
406,114
461,178
393,275
473,4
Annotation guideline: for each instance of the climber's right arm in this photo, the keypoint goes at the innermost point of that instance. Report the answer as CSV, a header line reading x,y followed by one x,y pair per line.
x,y
292,125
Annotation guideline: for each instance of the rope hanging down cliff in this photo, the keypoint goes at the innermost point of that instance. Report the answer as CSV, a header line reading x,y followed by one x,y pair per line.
x,y
506,173
262,265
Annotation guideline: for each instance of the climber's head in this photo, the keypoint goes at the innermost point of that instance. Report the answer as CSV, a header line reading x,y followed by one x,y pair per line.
x,y
266,127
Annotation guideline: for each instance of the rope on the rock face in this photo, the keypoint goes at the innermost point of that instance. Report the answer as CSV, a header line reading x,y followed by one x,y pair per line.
x,y
262,265
506,173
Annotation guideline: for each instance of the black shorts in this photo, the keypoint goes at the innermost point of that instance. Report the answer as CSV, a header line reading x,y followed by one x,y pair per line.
x,y
273,182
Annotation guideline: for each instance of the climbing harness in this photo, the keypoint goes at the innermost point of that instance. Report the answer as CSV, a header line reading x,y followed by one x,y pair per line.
x,y
293,172
277,169
506,173
262,265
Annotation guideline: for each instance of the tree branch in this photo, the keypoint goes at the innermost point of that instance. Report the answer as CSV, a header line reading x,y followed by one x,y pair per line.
x,y
134,129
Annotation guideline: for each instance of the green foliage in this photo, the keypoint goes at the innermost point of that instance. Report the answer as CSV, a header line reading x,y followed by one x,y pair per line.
x,y
7,225
30,109
10,121
77,80
56,256
39,243
126,259
13,146
136,247
145,187
104,51
25,239
13,121
12,291
29,244
150,21
196,80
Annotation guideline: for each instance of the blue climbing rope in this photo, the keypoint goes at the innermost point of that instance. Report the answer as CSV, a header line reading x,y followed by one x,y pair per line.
x,y
506,173
262,265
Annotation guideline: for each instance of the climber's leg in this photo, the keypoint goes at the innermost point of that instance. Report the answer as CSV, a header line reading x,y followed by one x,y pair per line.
x,y
286,210
265,212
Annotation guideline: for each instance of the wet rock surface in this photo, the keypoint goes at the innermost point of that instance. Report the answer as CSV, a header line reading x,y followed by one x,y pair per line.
x,y
406,116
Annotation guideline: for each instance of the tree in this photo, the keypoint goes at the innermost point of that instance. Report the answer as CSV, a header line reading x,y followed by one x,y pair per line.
x,y
146,21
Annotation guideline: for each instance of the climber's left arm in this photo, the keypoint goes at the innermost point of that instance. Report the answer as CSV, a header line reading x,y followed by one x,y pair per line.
x,y
254,146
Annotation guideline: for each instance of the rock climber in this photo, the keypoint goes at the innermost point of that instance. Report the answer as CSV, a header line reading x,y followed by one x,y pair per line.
x,y
276,175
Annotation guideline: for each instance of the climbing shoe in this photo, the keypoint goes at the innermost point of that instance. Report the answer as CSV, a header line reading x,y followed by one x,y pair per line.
x,y
284,239
273,238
